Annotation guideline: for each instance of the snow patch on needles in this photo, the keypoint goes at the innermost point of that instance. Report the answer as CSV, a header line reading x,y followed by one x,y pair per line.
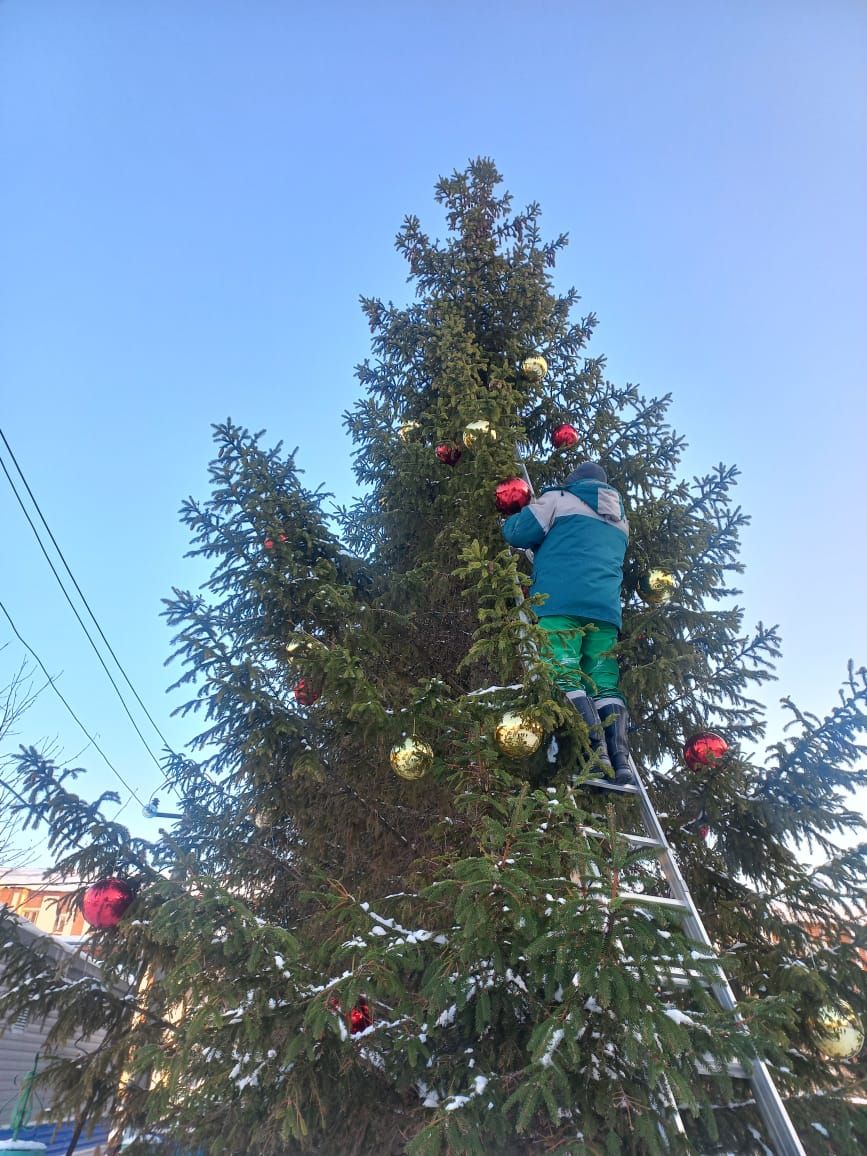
x,y
452,1103
448,1017
547,1057
679,1017
384,924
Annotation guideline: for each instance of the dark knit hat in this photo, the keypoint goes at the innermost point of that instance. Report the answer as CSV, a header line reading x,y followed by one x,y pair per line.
x,y
587,470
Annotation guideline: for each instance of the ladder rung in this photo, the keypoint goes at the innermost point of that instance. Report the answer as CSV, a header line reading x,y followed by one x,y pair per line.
x,y
655,900
608,785
735,1069
639,897
680,977
633,840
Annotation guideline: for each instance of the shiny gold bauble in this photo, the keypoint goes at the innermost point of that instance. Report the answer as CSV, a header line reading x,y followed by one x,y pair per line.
x,y
477,430
838,1031
263,819
534,368
517,736
296,647
408,430
299,644
656,587
411,757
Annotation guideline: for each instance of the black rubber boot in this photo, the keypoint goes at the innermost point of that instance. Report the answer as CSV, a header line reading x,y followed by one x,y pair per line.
x,y
615,719
586,707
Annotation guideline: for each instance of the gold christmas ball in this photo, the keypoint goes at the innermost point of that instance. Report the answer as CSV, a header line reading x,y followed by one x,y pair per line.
x,y
411,757
517,736
838,1031
301,644
295,647
477,430
656,587
407,430
534,368
263,819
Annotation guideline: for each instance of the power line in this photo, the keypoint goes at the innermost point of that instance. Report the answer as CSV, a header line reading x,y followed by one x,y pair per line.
x,y
78,616
36,506
59,694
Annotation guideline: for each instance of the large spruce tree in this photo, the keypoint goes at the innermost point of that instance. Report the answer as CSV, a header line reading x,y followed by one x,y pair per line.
x,y
519,1003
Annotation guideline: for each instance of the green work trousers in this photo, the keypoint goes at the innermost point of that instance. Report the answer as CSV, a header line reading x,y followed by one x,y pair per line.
x,y
579,653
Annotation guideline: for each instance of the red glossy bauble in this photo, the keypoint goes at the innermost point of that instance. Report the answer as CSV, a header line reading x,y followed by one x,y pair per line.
x,y
512,495
361,1017
703,831
448,455
564,436
704,750
305,693
268,543
104,903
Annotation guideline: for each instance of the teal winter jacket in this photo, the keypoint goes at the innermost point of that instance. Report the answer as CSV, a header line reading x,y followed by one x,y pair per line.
x,y
578,534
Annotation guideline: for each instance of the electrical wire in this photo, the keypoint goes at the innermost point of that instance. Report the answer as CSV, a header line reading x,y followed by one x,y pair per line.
x,y
59,694
75,611
80,592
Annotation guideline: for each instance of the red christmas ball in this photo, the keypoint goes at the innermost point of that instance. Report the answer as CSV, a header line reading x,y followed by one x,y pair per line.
x,y
703,831
448,455
361,1017
268,543
104,903
704,750
305,693
512,495
564,436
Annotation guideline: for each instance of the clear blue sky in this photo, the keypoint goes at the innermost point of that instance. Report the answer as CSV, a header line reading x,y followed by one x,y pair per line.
x,y
194,194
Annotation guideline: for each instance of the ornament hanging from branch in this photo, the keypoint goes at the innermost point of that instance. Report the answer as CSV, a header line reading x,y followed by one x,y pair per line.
x,y
656,587
518,737
360,1017
512,495
477,430
306,694
838,1032
408,430
704,750
449,455
411,758
564,436
104,903
534,368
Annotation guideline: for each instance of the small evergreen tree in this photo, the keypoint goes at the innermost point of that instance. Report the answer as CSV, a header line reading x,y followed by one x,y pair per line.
x,y
519,1002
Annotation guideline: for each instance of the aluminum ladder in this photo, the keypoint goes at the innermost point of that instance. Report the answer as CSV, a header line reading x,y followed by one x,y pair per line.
x,y
781,1132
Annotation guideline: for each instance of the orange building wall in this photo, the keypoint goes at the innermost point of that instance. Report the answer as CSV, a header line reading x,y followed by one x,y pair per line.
x,y
41,906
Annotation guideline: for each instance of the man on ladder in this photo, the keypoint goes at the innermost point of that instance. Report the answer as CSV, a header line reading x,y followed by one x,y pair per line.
x,y
578,533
